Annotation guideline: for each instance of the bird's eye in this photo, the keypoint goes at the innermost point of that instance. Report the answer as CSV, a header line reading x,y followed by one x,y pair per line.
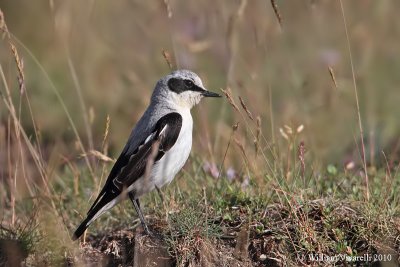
x,y
189,83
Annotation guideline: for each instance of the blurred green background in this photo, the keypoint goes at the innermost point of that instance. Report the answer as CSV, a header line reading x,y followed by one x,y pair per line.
x,y
115,50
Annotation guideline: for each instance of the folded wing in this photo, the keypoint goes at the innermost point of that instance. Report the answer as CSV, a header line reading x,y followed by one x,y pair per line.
x,y
131,166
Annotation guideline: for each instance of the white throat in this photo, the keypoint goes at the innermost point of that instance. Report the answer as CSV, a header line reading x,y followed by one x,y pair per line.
x,y
186,99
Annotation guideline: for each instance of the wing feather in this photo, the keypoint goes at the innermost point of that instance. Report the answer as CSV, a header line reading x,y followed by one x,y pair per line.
x,y
130,167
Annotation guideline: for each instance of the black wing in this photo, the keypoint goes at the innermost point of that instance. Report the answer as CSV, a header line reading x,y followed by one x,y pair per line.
x,y
131,166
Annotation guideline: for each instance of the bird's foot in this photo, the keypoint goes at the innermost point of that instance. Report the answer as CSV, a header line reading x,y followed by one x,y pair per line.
x,y
147,231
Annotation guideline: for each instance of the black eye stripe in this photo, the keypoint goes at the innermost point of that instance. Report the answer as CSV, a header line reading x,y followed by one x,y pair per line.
x,y
179,85
188,83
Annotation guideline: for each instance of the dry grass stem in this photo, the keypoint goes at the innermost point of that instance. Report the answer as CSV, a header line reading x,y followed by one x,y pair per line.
x,y
300,154
20,66
3,25
258,135
168,58
276,11
228,95
242,149
169,9
246,108
332,74
363,156
234,129
85,113
98,155
150,161
61,102
105,136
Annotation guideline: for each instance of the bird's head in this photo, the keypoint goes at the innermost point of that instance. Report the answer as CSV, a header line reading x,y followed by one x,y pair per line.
x,y
183,88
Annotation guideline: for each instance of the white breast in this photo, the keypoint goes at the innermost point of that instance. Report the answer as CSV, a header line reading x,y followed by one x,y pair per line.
x,y
172,162
164,171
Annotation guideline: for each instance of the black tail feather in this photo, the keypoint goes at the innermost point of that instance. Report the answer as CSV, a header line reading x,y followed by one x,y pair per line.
x,y
81,229
101,201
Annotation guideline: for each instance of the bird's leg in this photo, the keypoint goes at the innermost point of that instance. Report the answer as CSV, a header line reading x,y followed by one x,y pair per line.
x,y
160,194
136,204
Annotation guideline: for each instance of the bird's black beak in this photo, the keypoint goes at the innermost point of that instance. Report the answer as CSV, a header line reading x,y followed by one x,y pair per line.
x,y
206,93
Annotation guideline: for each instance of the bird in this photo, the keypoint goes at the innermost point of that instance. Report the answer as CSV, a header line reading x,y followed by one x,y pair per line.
x,y
157,148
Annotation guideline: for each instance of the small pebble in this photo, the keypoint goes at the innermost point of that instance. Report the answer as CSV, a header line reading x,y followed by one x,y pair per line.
x,y
263,257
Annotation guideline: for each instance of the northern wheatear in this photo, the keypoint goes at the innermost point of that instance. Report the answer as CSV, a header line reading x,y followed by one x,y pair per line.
x,y
157,148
